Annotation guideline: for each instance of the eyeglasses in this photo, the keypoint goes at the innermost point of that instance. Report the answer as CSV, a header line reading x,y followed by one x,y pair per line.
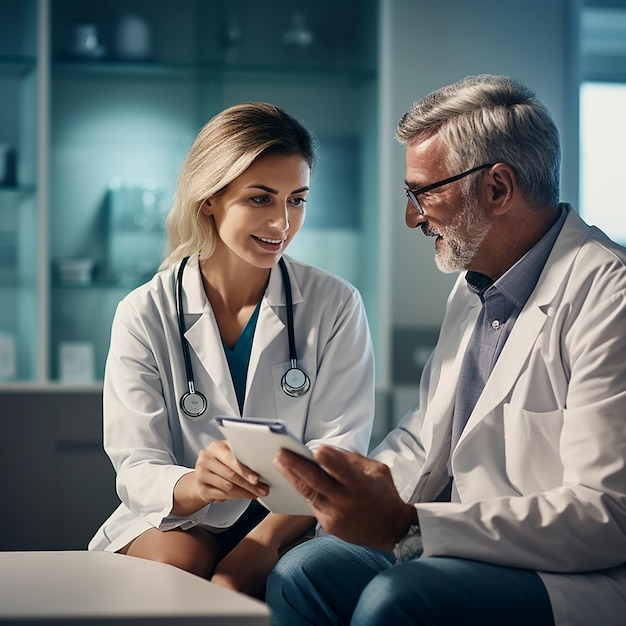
x,y
412,194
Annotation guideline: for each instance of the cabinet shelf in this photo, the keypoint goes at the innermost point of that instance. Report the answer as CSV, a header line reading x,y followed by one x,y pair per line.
x,y
31,387
159,70
95,285
16,66
10,193
329,74
121,69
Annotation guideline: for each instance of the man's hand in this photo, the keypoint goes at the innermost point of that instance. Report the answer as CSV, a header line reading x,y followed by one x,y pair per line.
x,y
352,497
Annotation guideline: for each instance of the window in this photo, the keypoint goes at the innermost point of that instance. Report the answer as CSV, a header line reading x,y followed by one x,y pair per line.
x,y
603,157
603,116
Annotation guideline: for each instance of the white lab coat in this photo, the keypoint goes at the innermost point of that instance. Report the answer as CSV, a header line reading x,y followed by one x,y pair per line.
x,y
152,443
541,465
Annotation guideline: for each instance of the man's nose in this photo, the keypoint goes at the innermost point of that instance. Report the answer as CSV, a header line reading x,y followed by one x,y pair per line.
x,y
412,216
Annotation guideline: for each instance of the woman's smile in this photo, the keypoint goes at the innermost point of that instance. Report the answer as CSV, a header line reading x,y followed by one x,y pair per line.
x,y
269,244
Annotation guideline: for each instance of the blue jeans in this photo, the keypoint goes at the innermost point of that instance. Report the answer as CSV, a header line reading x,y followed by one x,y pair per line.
x,y
329,581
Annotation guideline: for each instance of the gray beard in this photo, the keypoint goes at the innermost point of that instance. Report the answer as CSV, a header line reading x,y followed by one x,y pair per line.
x,y
462,239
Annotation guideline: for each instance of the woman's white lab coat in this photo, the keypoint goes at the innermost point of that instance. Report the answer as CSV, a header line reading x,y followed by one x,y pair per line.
x,y
152,443
541,465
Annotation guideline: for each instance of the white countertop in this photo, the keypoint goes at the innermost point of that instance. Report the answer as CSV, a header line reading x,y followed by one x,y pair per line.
x,y
81,587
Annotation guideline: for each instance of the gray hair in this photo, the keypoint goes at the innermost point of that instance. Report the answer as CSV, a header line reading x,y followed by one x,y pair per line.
x,y
224,148
491,119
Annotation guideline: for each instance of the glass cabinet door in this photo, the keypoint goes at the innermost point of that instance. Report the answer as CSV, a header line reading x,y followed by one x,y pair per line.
x,y
125,110
99,104
20,281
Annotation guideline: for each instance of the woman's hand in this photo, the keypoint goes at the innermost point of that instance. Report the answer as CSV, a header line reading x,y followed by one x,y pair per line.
x,y
217,477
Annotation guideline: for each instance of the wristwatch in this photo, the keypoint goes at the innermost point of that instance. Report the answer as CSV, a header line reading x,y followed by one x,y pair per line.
x,y
410,546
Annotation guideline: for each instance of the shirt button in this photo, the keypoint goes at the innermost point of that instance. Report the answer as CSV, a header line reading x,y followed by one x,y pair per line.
x,y
495,324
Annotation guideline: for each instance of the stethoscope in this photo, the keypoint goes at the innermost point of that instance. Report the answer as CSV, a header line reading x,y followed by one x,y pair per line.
x,y
294,382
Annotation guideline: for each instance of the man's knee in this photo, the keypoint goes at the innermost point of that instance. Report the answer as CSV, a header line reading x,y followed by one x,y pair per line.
x,y
282,572
385,597
291,568
376,599
319,562
290,587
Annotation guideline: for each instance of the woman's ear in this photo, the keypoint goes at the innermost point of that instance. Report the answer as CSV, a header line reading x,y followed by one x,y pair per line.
x,y
206,207
500,188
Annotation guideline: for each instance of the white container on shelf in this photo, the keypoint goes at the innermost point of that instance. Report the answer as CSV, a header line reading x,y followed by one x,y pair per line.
x,y
75,271
8,358
76,362
86,43
136,241
133,38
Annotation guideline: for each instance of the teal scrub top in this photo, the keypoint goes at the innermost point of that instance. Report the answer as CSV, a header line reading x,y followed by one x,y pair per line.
x,y
239,357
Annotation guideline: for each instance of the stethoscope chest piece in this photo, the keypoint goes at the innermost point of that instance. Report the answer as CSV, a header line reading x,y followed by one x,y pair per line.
x,y
193,403
295,382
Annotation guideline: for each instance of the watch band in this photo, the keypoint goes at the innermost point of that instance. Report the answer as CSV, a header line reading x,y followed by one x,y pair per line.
x,y
410,546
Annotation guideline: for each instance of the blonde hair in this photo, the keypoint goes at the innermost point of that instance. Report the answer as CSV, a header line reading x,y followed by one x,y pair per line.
x,y
225,148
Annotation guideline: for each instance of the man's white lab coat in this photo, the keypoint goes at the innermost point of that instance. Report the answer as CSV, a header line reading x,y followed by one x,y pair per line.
x,y
541,465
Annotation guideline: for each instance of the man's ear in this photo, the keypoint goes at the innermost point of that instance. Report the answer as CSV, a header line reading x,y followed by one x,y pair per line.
x,y
499,188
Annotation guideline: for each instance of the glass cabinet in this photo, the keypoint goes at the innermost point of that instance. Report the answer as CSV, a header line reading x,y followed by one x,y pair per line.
x,y
126,87
20,194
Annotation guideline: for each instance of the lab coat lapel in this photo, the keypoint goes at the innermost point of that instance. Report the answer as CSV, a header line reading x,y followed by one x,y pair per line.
x,y
454,337
204,337
530,322
509,364
270,324
453,340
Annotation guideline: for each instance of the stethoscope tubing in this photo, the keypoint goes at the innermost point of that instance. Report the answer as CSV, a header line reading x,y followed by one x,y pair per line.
x,y
192,402
294,382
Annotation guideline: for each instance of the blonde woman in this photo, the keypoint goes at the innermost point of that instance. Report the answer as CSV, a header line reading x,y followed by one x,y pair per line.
x,y
209,336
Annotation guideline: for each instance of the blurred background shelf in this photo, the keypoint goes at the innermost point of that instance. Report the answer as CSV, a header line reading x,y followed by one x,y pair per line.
x,y
100,103
9,194
16,66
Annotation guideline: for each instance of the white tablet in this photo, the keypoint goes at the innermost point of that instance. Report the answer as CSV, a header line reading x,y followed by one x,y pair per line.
x,y
255,442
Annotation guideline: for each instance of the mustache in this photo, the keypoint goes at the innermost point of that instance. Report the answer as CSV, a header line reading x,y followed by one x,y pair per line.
x,y
429,231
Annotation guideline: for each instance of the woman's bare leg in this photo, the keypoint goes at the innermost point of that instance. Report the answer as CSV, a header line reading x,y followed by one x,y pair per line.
x,y
194,550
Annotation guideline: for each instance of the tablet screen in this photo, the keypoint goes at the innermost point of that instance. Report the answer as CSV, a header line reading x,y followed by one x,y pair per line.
x,y
255,442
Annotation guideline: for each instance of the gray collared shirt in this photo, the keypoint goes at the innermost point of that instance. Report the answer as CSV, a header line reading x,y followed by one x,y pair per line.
x,y
502,302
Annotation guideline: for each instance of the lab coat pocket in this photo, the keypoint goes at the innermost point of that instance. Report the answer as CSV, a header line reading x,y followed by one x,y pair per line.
x,y
531,449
